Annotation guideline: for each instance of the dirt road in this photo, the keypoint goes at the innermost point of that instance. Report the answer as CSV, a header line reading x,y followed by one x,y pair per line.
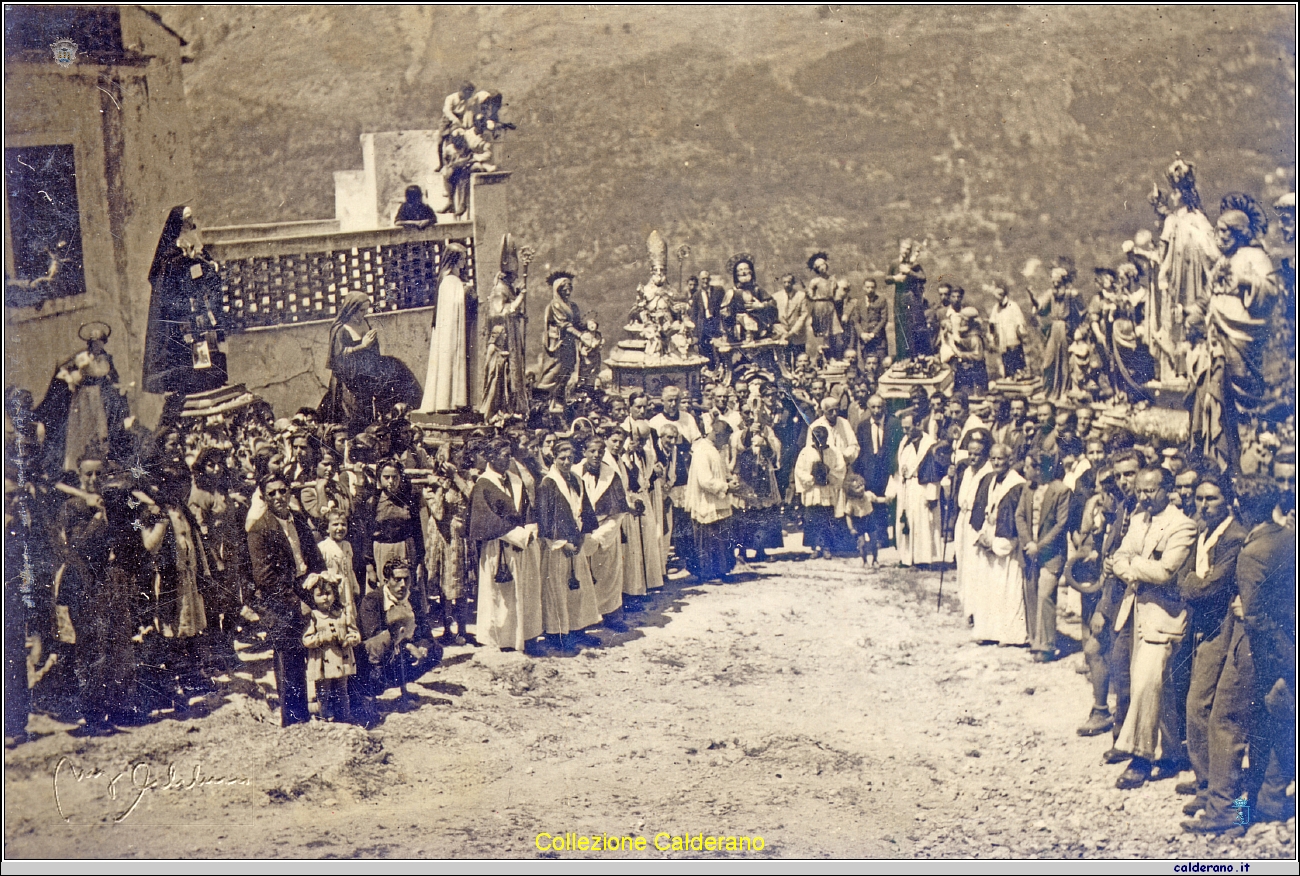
x,y
828,710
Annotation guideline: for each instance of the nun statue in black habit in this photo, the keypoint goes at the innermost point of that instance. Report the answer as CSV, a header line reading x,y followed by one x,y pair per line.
x,y
181,353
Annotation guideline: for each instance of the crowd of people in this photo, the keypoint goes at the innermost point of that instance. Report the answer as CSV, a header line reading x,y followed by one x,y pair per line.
x,y
355,546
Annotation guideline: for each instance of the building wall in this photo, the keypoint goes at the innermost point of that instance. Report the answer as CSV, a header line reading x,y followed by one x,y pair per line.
x,y
129,128
286,365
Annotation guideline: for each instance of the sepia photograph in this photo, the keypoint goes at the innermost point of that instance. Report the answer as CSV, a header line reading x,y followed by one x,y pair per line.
x,y
643,433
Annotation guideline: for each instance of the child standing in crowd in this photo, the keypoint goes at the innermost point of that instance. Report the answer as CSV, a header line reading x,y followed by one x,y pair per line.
x,y
337,552
330,637
856,507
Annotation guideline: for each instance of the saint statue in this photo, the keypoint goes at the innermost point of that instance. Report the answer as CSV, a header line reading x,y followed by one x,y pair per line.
x,y
562,332
1060,312
503,323
1188,250
446,386
753,312
1243,287
824,328
652,316
181,352
83,405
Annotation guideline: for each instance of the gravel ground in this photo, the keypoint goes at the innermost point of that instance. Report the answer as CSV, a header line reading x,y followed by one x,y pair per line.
x,y
830,710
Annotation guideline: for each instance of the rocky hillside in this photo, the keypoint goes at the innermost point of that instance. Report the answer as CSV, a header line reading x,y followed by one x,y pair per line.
x,y
1000,135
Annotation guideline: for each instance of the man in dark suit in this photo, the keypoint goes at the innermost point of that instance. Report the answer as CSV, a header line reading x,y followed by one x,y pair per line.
x,y
1265,607
283,553
1041,516
1217,698
879,436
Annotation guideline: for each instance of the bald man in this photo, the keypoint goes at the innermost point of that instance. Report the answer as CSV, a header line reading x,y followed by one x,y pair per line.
x,y
1158,540
672,412
839,434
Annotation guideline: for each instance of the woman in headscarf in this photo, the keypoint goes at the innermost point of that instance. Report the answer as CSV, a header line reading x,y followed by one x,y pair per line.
x,y
186,294
354,349
446,385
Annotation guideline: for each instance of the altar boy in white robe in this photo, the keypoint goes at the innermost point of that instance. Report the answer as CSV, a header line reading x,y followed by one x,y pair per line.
x,y
998,583
634,563
509,571
603,547
564,519
918,525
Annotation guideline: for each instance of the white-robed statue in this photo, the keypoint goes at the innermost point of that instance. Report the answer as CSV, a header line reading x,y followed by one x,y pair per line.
x,y
1188,250
446,385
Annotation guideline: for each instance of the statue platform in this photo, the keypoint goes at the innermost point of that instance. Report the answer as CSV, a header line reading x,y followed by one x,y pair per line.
x,y
633,369
897,384
1157,422
463,418
215,402
1025,387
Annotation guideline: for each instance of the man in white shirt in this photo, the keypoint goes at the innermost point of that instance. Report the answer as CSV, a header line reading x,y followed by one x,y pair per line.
x,y
839,434
687,428
1007,329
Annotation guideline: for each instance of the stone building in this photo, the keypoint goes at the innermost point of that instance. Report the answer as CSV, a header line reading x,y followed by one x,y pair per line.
x,y
96,153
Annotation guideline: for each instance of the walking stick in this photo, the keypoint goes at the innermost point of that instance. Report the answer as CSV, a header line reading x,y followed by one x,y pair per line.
x,y
943,566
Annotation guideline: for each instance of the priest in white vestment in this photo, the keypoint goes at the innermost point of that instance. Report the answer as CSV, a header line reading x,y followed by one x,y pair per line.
x,y
998,583
918,523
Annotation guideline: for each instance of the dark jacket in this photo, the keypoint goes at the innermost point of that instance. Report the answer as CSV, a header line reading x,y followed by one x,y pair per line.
x,y
1053,516
492,512
1208,598
1266,569
555,520
280,596
876,464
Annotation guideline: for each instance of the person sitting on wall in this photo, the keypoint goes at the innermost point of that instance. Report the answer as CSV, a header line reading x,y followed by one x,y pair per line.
x,y
414,212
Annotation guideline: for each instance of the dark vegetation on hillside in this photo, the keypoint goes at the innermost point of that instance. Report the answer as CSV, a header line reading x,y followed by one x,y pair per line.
x,y
997,134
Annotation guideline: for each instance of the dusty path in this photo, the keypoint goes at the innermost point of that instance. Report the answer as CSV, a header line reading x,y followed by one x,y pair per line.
x,y
831,711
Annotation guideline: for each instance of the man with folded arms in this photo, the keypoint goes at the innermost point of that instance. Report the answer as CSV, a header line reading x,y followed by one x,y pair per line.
x,y
1158,541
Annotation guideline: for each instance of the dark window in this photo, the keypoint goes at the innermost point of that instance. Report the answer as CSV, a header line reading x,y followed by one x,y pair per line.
x,y
45,222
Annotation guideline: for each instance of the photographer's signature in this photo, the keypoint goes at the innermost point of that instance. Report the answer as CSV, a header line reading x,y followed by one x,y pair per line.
x,y
126,788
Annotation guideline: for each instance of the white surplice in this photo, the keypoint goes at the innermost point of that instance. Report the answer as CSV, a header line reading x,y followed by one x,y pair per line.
x,y
997,584
921,540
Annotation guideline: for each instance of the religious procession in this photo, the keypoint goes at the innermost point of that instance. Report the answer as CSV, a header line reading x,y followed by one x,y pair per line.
x,y
1125,453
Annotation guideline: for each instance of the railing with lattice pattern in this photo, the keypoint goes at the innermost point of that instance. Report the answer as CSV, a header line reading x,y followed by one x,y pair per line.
x,y
290,280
